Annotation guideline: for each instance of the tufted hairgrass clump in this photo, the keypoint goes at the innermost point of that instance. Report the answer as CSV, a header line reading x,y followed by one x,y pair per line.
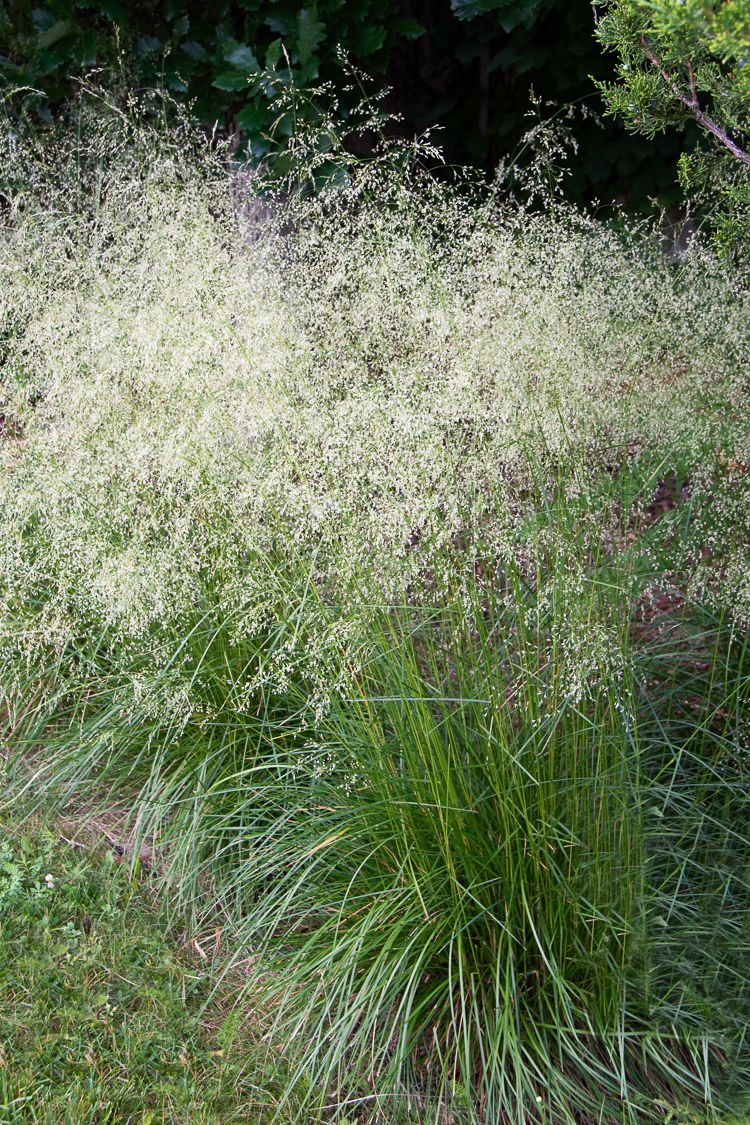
x,y
387,557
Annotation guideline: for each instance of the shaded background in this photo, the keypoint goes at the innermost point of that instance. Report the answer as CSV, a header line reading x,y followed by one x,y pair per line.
x,y
465,65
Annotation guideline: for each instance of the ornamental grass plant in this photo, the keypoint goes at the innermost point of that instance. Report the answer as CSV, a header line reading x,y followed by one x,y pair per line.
x,y
388,562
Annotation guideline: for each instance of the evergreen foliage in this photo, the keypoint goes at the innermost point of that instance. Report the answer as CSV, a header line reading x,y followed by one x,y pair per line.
x,y
688,61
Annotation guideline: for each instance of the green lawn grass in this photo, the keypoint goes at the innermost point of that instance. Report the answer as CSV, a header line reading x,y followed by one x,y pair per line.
x,y
105,1010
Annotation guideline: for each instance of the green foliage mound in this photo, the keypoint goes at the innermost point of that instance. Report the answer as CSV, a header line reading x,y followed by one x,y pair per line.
x,y
388,555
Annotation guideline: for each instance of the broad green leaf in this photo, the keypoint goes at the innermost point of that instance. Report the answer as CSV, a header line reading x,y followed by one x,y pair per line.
x,y
42,19
230,80
147,44
117,13
182,25
244,59
59,30
369,40
408,28
273,54
283,126
87,49
310,34
194,50
511,13
252,117
282,25
50,59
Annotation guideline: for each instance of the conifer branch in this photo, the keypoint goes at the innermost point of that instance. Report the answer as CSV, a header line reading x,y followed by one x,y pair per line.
x,y
693,104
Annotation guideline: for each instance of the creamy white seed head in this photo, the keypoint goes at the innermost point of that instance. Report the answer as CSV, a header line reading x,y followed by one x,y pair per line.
x,y
366,394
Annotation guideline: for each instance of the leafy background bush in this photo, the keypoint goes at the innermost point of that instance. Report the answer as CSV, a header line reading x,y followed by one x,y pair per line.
x,y
466,66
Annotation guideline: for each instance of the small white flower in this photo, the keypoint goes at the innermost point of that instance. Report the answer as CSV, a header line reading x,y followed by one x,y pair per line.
x,y
49,880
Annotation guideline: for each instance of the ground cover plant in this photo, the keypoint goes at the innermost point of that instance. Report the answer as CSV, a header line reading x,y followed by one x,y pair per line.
x,y
105,1011
388,561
